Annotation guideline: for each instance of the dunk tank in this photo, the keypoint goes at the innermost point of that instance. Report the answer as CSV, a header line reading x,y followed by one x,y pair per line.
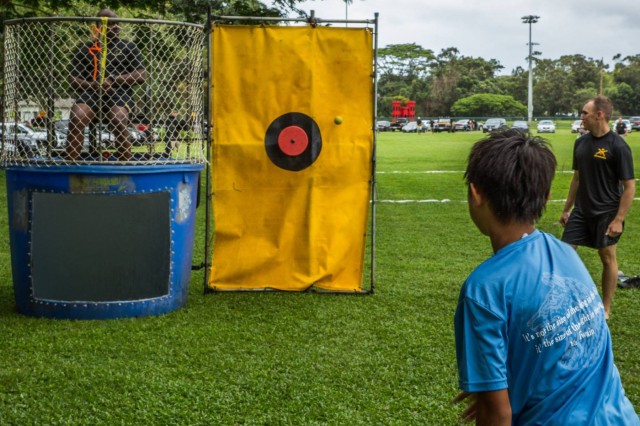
x,y
102,203
101,213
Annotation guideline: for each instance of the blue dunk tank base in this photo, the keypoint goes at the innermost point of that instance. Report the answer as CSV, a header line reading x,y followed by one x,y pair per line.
x,y
101,241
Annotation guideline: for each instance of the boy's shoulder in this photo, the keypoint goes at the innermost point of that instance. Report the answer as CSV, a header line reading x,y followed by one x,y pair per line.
x,y
519,259
505,259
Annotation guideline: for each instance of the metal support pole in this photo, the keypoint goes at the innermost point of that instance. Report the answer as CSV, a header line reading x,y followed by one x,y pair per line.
x,y
530,19
207,133
346,12
374,158
530,87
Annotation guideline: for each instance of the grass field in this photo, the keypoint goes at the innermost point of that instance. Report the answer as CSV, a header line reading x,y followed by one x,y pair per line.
x,y
298,358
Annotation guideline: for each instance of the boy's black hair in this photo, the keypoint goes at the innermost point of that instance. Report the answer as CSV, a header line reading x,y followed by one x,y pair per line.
x,y
514,172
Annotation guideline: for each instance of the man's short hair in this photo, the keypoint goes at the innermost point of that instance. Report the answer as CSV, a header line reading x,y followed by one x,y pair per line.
x,y
602,103
107,12
514,171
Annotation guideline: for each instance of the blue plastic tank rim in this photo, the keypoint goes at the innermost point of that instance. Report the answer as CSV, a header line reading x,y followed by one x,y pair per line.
x,y
109,168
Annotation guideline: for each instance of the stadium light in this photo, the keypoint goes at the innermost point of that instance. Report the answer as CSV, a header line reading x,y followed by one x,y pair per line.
x,y
346,9
530,19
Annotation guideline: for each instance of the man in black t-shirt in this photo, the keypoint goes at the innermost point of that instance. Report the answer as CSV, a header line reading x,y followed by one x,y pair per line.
x,y
621,128
174,126
103,72
600,193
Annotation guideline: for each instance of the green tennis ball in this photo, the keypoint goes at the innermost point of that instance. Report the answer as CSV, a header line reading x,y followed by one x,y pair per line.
x,y
338,119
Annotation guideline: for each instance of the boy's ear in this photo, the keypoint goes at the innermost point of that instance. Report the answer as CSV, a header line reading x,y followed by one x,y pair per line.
x,y
475,195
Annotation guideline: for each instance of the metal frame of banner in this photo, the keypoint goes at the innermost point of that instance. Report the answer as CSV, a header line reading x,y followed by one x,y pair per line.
x,y
208,127
313,21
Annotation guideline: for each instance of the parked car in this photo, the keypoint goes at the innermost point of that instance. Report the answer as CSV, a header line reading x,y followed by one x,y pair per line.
x,y
520,125
147,134
546,126
494,124
629,125
442,125
7,147
635,123
383,126
61,125
462,125
426,126
135,137
21,137
62,129
414,127
397,125
410,127
41,138
575,126
107,138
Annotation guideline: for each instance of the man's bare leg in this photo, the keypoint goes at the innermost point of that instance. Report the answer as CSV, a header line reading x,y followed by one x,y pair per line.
x,y
609,276
81,115
119,119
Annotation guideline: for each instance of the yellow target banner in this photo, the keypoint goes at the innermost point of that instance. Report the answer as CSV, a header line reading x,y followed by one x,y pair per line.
x,y
292,155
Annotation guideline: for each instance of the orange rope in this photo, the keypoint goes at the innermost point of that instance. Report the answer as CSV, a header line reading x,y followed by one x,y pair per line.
x,y
99,46
95,50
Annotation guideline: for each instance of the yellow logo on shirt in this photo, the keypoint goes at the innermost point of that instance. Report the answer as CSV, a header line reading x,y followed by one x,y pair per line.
x,y
601,153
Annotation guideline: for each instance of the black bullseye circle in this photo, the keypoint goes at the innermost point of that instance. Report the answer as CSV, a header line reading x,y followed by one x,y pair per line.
x,y
293,141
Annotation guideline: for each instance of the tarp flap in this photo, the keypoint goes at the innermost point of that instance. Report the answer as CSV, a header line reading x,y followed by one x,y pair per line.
x,y
292,149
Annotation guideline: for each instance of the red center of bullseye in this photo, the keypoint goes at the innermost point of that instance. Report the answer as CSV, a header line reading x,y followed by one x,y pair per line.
x,y
293,141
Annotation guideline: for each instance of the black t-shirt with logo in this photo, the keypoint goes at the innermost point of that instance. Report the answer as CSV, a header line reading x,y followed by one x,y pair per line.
x,y
602,163
123,57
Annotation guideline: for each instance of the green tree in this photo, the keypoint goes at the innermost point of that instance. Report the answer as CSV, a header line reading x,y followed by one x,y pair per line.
x,y
581,71
485,104
185,10
553,89
515,85
402,70
454,76
582,96
586,76
559,83
625,90
624,99
406,61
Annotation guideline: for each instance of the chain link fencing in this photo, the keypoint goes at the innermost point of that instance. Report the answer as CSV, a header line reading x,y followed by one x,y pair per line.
x,y
92,90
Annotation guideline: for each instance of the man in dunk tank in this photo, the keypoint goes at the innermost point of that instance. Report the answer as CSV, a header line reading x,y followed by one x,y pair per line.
x,y
103,72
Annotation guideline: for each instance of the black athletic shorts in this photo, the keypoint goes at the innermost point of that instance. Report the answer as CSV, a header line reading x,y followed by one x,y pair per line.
x,y
589,231
118,98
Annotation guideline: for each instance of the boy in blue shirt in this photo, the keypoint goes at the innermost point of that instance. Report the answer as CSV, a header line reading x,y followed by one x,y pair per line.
x,y
532,343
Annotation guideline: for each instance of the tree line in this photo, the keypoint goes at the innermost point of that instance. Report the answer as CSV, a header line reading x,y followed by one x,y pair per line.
x,y
442,84
451,84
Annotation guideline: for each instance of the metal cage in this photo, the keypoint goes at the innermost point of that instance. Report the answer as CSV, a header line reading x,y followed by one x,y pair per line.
x,y
156,119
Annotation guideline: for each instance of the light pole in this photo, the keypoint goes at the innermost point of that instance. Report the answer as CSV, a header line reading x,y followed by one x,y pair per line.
x,y
346,11
530,19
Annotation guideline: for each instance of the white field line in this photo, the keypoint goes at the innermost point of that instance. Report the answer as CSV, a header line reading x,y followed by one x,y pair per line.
x,y
446,200
435,172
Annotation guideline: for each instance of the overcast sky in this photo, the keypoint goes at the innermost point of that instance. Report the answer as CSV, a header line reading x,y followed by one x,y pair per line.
x,y
493,29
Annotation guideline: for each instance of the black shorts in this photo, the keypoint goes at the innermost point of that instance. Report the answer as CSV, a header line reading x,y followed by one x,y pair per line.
x,y
118,98
589,231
